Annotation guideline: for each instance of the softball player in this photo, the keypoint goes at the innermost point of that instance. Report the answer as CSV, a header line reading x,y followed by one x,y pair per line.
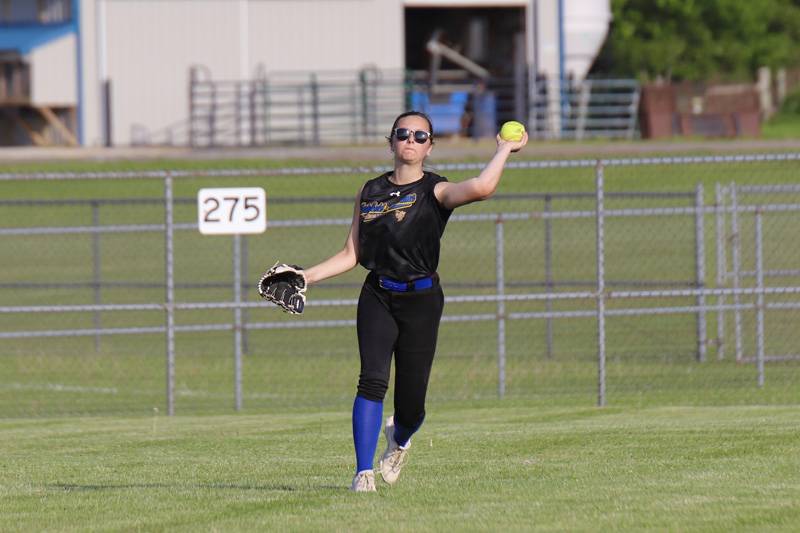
x,y
398,222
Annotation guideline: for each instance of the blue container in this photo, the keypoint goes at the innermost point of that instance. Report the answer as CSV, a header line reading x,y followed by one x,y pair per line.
x,y
446,117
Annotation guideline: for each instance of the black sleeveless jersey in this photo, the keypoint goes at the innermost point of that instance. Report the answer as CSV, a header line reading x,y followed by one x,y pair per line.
x,y
400,227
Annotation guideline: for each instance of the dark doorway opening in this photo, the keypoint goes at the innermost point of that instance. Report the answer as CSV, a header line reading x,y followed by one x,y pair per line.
x,y
487,82
484,35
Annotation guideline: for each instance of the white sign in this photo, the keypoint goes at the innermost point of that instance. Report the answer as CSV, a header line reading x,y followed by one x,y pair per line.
x,y
231,211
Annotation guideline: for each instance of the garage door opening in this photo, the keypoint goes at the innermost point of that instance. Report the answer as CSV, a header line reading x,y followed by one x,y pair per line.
x,y
468,67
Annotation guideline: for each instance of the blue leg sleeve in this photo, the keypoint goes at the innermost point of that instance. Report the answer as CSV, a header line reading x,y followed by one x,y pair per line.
x,y
367,418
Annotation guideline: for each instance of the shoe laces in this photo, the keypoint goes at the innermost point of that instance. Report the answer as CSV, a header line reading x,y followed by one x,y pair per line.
x,y
364,482
397,458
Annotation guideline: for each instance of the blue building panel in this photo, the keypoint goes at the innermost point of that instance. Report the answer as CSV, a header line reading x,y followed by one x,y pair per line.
x,y
23,38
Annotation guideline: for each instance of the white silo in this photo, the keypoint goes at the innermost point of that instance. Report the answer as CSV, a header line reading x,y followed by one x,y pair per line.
x,y
568,37
585,28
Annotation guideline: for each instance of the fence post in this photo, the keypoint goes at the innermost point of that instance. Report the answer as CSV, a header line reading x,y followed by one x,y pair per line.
x,y
252,112
520,67
584,97
533,103
700,271
169,298
96,271
212,117
601,299
362,82
192,106
736,242
634,115
759,298
722,266
301,114
237,113
315,109
501,306
354,113
548,270
245,277
267,101
237,321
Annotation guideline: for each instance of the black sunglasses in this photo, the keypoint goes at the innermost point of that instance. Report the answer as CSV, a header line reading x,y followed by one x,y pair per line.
x,y
420,136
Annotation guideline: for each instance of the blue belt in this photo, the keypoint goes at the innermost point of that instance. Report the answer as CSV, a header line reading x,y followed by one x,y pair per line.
x,y
405,286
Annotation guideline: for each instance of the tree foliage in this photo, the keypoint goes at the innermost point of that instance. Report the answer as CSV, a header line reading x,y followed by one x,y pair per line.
x,y
700,39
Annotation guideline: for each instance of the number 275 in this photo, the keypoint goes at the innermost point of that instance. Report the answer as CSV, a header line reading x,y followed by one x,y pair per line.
x,y
215,207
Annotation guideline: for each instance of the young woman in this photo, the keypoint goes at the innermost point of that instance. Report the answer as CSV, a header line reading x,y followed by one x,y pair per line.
x,y
398,222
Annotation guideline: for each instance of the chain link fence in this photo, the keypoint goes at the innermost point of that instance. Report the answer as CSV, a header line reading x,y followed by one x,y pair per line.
x,y
638,281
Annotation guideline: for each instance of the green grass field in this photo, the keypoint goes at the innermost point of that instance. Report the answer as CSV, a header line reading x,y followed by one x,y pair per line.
x,y
491,466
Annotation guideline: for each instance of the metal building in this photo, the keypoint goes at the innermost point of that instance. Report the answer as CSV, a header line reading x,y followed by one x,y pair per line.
x,y
122,72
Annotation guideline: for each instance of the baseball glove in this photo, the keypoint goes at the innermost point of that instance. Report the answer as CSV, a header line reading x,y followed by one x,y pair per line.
x,y
285,286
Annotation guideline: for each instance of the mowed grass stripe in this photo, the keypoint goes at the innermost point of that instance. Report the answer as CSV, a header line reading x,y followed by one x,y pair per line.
x,y
492,466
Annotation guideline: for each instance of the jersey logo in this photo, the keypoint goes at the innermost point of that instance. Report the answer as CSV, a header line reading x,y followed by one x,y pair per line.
x,y
372,210
395,193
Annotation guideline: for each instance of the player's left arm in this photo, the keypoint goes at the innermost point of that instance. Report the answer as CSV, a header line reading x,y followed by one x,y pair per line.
x,y
451,195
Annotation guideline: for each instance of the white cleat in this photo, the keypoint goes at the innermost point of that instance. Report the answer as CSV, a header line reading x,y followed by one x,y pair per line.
x,y
394,457
364,481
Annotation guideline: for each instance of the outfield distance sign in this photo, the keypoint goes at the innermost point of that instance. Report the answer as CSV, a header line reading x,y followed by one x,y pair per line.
x,y
232,211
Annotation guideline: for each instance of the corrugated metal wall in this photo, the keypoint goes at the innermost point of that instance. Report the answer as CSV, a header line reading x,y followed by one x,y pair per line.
x,y
152,44
53,80
325,34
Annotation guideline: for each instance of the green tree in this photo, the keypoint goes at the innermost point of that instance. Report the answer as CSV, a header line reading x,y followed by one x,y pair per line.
x,y
700,39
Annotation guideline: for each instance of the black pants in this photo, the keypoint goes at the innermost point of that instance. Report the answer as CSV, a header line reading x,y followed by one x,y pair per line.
x,y
406,324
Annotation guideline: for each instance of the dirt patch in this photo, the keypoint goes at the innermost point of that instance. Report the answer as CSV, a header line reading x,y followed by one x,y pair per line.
x,y
446,150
